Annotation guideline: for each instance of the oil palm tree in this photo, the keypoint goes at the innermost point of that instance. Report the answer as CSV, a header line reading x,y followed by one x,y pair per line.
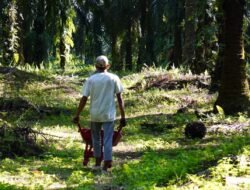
x,y
10,33
234,91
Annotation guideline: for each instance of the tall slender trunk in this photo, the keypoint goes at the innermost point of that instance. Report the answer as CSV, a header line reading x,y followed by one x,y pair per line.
x,y
62,45
177,53
129,65
21,48
28,14
39,27
115,52
189,35
203,46
2,6
234,91
62,53
10,31
150,53
79,39
142,35
97,36
177,47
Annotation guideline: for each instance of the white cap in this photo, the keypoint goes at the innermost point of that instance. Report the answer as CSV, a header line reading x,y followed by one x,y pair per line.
x,y
102,61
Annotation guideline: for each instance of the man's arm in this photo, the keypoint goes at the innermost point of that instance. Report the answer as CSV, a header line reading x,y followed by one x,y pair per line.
x,y
122,111
81,105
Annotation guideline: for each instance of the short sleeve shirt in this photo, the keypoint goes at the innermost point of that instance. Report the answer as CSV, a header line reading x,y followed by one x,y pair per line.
x,y
102,88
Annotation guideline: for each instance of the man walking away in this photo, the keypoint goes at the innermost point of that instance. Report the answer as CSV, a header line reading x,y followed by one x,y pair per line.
x,y
102,87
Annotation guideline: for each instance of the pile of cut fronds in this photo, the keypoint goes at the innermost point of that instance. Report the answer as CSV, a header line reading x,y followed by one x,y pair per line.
x,y
19,140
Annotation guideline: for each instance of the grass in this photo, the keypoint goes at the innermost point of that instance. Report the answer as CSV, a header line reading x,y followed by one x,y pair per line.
x,y
171,166
153,156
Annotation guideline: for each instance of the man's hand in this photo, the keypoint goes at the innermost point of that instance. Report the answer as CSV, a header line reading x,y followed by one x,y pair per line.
x,y
123,122
76,119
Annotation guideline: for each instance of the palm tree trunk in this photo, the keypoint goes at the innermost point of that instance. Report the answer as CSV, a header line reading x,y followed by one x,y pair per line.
x,y
247,45
203,46
216,73
150,40
142,35
97,35
189,36
234,92
177,51
129,65
1,28
62,45
115,52
10,31
39,27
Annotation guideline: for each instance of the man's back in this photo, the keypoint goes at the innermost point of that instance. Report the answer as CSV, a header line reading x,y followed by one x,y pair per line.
x,y
102,87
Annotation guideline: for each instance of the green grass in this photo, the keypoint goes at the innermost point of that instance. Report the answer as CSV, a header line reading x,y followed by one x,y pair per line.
x,y
60,165
170,166
154,157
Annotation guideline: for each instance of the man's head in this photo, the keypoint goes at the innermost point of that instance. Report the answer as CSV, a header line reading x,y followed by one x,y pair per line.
x,y
102,63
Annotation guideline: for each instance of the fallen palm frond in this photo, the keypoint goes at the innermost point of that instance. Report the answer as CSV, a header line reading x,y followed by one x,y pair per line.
x,y
21,140
167,82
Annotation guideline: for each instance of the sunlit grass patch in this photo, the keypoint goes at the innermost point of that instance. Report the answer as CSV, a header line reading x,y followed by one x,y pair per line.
x,y
166,167
6,186
23,172
60,166
49,94
232,172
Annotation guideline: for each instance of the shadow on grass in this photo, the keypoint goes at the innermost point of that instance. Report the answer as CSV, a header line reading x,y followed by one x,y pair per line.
x,y
14,80
17,106
20,76
49,116
60,172
128,154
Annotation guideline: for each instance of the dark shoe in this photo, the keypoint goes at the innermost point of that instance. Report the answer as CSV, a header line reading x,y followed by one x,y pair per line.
x,y
98,161
97,165
107,165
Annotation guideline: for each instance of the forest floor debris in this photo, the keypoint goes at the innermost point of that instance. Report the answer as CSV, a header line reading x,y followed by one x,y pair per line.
x,y
168,82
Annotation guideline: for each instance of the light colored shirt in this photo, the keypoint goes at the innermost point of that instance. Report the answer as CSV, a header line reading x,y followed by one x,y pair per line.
x,y
102,87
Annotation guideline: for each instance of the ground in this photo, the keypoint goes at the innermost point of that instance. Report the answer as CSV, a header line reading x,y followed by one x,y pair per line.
x,y
153,152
